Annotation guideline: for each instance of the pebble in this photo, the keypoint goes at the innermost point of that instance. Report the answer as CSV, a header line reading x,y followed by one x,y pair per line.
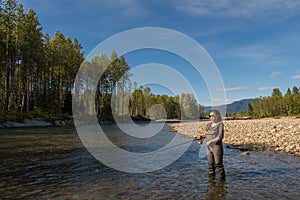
x,y
278,135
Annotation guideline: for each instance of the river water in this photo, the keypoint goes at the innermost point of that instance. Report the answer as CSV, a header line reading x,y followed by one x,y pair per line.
x,y
52,163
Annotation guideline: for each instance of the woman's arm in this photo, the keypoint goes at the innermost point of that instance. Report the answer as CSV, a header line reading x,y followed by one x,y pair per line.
x,y
202,137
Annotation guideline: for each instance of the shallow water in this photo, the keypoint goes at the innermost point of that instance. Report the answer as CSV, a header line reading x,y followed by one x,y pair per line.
x,y
52,163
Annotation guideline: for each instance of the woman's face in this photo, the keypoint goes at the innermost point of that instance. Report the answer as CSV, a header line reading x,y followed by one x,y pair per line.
x,y
212,116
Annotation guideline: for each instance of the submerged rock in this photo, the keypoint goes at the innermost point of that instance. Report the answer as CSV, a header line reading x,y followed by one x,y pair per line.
x,y
246,153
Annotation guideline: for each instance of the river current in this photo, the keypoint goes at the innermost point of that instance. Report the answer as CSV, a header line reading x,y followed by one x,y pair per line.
x,y
52,163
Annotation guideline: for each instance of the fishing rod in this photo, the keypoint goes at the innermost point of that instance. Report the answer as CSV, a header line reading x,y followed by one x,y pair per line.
x,y
127,159
158,151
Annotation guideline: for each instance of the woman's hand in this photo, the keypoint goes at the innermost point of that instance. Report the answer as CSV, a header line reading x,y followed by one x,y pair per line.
x,y
199,137
208,143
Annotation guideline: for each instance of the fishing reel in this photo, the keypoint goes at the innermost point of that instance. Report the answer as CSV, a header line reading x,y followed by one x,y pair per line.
x,y
199,139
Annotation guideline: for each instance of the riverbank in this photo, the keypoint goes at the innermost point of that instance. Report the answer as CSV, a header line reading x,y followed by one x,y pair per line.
x,y
32,122
277,135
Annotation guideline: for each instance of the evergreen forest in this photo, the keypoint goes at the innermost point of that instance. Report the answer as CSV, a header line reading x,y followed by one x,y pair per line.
x,y
37,74
38,71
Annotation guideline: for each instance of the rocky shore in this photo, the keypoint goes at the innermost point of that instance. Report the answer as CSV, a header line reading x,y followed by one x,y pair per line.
x,y
278,135
33,122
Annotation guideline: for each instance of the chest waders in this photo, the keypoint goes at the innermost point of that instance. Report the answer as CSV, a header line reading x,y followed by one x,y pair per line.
x,y
215,151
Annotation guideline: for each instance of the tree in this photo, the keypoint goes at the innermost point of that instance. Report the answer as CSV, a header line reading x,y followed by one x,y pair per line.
x,y
276,93
36,72
32,57
189,106
277,105
172,107
201,110
288,92
295,90
296,104
8,23
148,103
63,58
137,102
249,109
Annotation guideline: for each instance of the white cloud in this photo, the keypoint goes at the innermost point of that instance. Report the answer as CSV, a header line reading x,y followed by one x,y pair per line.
x,y
217,102
275,74
238,8
249,53
266,88
221,100
261,54
297,76
239,88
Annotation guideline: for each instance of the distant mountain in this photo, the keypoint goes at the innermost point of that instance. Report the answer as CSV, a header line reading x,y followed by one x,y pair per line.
x,y
237,106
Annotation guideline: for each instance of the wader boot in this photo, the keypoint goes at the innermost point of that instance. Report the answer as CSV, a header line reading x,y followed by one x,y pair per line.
x,y
215,160
218,156
221,171
211,164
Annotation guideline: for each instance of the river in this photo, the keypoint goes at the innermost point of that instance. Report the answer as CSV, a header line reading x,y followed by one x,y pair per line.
x,y
52,163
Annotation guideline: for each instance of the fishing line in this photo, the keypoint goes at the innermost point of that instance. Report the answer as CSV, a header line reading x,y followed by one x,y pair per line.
x,y
202,150
125,159
153,152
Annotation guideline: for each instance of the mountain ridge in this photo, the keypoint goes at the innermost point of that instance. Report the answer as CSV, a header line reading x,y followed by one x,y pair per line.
x,y
236,106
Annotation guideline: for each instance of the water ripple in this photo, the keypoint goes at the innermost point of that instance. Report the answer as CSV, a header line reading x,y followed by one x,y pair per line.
x,y
51,163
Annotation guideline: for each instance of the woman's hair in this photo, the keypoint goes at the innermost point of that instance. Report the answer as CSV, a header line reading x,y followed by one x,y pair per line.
x,y
218,116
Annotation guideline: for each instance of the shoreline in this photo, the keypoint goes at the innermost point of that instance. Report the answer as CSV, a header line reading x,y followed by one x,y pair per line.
x,y
271,134
33,122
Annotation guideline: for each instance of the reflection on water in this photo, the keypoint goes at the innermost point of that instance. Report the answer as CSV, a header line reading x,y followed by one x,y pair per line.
x,y
51,163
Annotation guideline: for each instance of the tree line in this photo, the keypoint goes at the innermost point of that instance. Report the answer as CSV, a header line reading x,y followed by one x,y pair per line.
x,y
36,70
37,74
276,104
106,81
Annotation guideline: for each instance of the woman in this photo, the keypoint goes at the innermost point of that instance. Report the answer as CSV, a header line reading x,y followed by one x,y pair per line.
x,y
214,137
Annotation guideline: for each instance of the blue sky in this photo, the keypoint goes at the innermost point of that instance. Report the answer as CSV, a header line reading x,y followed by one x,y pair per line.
x,y
255,44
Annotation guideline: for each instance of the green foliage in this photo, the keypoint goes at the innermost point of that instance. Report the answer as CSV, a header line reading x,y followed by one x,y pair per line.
x,y
189,106
277,105
276,93
36,71
295,90
67,123
249,110
12,116
37,113
140,118
184,107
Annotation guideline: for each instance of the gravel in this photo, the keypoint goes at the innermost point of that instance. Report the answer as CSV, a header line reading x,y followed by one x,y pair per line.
x,y
273,134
